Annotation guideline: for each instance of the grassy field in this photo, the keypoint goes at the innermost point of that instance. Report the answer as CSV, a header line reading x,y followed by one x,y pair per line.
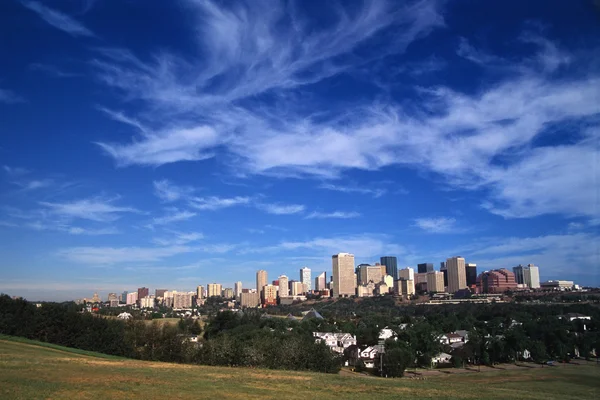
x,y
30,371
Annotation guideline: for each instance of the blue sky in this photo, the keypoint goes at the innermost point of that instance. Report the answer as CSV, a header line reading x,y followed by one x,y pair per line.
x,y
172,144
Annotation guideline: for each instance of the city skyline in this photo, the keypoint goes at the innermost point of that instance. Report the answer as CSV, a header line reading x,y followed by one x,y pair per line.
x,y
233,140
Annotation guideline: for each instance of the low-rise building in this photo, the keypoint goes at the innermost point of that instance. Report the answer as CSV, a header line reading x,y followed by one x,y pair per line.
x,y
337,342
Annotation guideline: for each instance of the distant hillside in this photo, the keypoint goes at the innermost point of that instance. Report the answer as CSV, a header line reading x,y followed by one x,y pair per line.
x,y
30,370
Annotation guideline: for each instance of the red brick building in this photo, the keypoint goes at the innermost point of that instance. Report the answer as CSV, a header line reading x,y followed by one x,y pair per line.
x,y
496,281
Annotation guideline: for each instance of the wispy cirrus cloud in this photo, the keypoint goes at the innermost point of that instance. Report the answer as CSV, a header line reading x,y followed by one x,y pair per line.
x,y
216,203
95,209
9,97
281,209
437,224
58,19
121,255
172,215
376,192
334,214
15,171
169,192
178,238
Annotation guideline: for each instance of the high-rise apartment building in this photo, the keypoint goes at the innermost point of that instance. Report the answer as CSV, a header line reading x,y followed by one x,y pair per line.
x,y
531,276
250,299
471,271
457,275
424,268
182,300
296,288
143,292
214,289
344,278
284,286
200,292
404,287
391,266
124,297
237,288
147,302
228,293
305,278
421,282
407,273
321,281
435,282
261,280
369,273
269,295
132,298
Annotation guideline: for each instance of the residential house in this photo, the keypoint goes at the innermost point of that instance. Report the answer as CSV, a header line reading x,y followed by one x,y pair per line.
x,y
386,333
442,358
337,342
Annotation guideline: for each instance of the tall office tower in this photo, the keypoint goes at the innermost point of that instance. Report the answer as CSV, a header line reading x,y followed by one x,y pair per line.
x,y
284,286
200,292
296,288
424,268
391,265
321,281
444,270
471,270
407,273
343,276
261,280
435,282
124,297
269,295
228,293
369,273
237,288
518,271
214,289
305,278
159,292
531,276
457,275
143,292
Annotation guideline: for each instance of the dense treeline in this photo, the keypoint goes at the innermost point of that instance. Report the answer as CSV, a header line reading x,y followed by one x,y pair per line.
x,y
497,333
230,339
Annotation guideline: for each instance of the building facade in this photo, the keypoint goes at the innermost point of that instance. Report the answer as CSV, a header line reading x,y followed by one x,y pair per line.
x,y
531,276
305,278
424,268
471,271
369,273
228,293
457,275
261,280
237,288
147,302
435,282
249,299
296,288
321,281
407,273
496,281
284,286
444,270
214,289
182,300
391,266
269,295
143,292
344,279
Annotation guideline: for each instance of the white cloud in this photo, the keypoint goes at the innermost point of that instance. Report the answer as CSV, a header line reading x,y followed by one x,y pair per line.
x,y
191,144
169,192
354,189
281,209
217,203
173,215
437,225
35,184
9,97
335,214
94,209
359,245
178,238
58,19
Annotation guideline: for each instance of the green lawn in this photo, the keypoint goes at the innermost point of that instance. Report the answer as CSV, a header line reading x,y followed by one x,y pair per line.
x,y
30,371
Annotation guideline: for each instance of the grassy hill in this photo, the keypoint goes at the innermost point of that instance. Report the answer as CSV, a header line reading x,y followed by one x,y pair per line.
x,y
29,370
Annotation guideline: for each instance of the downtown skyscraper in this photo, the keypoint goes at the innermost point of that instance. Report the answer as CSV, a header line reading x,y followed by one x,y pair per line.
x,y
457,274
305,278
344,278
391,266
